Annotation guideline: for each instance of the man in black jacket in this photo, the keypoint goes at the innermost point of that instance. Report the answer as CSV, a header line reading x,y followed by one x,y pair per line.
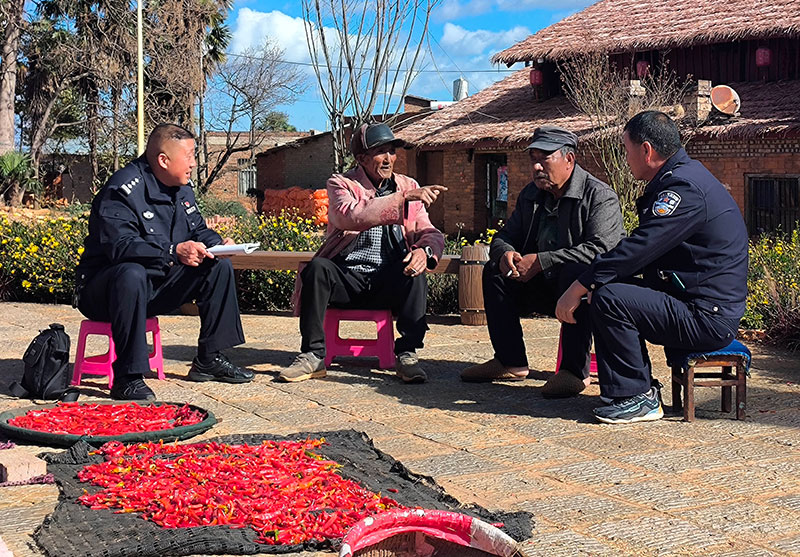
x,y
146,254
690,248
561,221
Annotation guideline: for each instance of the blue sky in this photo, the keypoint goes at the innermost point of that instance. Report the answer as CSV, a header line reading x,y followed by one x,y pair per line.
x,y
464,35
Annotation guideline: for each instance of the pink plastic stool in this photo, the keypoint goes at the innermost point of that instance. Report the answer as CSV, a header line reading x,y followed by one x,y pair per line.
x,y
382,346
101,365
592,361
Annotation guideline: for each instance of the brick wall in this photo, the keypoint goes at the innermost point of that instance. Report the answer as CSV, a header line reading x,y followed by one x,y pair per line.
x,y
458,175
307,164
226,185
732,161
270,170
311,164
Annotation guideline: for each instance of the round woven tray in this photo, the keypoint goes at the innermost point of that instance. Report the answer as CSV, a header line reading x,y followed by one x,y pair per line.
x,y
67,440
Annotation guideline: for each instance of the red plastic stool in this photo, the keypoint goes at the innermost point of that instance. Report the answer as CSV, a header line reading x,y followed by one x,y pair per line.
x,y
382,346
592,361
101,364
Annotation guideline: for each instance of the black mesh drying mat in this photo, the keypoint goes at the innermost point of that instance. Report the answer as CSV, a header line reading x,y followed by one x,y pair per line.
x,y
74,530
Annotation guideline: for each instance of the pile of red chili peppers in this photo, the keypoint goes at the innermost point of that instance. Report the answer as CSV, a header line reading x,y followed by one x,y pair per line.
x,y
285,492
107,419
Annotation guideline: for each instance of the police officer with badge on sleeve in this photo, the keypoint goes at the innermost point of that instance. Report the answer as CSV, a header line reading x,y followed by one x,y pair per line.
x,y
146,254
691,250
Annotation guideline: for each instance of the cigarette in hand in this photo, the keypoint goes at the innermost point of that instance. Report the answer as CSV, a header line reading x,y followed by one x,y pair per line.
x,y
510,271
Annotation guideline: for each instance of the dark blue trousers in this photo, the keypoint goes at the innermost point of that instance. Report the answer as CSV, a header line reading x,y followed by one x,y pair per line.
x,y
507,300
126,296
625,316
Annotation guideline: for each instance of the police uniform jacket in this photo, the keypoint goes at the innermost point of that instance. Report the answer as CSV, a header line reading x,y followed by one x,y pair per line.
x,y
136,219
589,223
691,241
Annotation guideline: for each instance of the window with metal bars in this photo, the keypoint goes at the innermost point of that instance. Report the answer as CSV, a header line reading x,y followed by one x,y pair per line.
x,y
773,203
247,176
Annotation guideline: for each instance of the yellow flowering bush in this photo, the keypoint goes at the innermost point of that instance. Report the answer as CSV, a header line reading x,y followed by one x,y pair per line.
x,y
38,256
271,290
773,291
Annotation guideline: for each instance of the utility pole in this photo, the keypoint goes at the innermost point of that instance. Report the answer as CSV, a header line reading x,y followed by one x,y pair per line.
x,y
140,76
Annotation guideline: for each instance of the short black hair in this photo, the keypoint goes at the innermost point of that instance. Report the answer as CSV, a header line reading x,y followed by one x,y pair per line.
x,y
167,132
657,129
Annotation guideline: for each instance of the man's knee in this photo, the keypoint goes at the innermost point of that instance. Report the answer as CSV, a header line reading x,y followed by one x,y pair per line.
x,y
316,268
129,279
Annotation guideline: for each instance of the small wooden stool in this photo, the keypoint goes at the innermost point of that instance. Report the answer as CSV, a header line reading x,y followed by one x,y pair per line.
x,y
735,355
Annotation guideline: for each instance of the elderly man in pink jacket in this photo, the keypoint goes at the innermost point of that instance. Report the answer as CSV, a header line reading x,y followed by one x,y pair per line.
x,y
379,244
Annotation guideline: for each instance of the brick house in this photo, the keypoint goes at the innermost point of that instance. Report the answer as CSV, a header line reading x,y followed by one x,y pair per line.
x,y
238,175
308,161
304,162
754,47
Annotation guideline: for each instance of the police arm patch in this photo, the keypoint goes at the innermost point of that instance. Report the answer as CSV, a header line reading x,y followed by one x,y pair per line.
x,y
666,202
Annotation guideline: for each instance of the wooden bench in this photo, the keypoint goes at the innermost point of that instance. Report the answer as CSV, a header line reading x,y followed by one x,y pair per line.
x,y
470,293
290,260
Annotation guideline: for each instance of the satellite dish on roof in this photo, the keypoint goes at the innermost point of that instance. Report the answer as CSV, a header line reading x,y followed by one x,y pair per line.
x,y
725,99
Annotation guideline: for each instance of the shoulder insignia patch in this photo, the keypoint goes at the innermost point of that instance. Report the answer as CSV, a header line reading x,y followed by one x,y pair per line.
x,y
127,187
666,202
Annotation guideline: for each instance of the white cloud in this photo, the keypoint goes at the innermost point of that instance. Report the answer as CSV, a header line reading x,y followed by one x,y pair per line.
x,y
454,9
456,39
450,10
253,27
524,5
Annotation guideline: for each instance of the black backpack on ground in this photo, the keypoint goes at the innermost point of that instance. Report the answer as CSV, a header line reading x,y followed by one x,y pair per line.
x,y
47,372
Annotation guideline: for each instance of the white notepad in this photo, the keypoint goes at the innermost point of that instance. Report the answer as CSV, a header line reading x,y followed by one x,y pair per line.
x,y
234,249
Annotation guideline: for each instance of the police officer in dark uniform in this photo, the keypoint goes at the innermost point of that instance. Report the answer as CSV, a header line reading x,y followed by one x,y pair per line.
x,y
146,255
691,250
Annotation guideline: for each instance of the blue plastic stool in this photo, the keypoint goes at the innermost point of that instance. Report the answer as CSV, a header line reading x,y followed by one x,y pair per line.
x,y
683,364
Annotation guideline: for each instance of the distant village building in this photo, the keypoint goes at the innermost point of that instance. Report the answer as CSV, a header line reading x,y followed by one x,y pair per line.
x,y
308,162
475,147
239,172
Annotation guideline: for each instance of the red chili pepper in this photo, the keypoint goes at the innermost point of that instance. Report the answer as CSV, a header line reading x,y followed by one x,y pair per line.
x,y
107,419
285,492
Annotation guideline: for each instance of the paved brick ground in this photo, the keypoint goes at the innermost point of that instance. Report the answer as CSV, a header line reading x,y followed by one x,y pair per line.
x,y
715,487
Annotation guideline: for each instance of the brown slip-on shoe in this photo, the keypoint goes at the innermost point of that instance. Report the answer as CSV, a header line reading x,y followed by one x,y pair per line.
x,y
563,385
492,370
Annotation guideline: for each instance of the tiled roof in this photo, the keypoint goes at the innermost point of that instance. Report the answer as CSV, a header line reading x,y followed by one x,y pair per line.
x,y
635,25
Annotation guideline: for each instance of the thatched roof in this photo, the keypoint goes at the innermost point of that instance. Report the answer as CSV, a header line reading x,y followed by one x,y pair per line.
x,y
767,108
636,25
505,115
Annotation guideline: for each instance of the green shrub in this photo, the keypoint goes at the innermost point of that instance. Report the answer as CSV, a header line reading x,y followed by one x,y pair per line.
x,y
271,290
773,291
210,206
38,257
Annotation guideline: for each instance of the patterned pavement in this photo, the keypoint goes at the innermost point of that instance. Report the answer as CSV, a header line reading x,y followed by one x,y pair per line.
x,y
716,487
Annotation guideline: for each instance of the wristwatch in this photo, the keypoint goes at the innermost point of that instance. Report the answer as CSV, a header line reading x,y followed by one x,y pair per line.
x,y
431,263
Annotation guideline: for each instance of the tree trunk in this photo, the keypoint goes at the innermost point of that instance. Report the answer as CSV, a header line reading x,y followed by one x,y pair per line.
x,y
115,101
8,73
92,125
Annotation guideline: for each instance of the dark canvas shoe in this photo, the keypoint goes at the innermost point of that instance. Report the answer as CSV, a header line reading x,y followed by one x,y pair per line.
x,y
132,389
407,368
221,369
305,366
645,407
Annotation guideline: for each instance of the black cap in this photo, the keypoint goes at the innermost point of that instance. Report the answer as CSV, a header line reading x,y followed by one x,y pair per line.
x,y
550,138
368,136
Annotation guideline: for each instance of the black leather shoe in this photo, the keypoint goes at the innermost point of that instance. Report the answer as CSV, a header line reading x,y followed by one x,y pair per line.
x,y
221,369
132,389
